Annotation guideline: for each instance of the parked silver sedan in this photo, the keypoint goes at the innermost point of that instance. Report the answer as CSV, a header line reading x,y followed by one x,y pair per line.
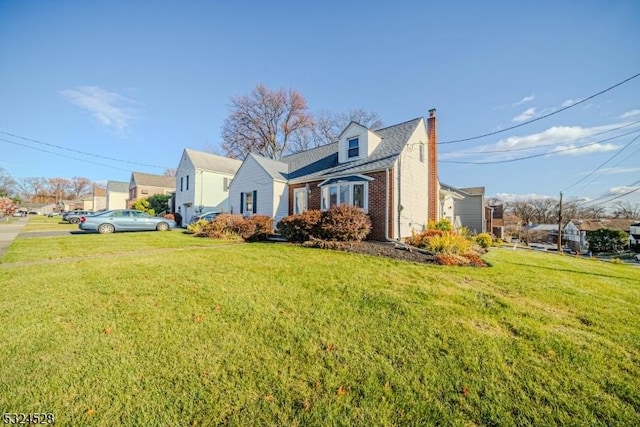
x,y
124,220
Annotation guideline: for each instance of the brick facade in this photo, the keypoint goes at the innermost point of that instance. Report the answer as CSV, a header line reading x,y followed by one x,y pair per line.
x,y
376,203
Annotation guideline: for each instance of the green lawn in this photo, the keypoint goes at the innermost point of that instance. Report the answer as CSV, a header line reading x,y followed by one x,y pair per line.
x,y
168,329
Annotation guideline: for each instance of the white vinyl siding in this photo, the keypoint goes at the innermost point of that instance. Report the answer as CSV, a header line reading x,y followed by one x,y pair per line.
x,y
272,196
411,176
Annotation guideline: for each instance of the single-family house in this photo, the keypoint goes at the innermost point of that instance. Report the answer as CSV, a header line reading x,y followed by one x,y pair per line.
x,y
202,183
390,173
576,231
634,237
495,219
464,207
145,185
99,198
116,195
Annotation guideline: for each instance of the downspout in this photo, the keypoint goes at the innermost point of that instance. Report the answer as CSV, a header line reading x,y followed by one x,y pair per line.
x,y
386,221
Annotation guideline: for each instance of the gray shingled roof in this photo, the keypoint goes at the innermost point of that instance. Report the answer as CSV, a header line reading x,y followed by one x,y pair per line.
x,y
118,186
322,162
277,170
153,180
212,162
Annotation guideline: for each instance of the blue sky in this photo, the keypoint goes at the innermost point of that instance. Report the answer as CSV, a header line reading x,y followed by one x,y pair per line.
x,y
140,81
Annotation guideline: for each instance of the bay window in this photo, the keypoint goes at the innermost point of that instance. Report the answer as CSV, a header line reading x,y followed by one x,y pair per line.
x,y
350,193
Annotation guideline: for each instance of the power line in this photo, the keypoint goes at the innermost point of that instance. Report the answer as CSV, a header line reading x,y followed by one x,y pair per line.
x,y
554,143
77,151
543,116
602,164
517,159
614,198
62,155
613,166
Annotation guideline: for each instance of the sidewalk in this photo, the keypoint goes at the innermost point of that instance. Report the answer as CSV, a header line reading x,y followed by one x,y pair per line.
x,y
8,232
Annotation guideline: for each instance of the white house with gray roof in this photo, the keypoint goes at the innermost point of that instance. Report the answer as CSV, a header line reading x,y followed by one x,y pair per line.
x,y
117,195
202,183
390,173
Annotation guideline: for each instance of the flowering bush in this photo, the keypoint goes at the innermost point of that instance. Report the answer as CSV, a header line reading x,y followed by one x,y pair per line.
x,y
7,208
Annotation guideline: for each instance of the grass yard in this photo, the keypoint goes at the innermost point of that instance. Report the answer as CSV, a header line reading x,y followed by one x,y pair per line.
x,y
44,223
176,330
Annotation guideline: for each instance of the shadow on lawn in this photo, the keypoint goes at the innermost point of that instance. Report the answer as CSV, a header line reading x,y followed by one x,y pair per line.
x,y
610,276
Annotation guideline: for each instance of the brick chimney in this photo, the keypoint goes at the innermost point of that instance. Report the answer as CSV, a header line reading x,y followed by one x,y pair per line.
x,y
433,187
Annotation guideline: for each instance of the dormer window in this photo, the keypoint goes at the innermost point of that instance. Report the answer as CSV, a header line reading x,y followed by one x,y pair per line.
x,y
353,148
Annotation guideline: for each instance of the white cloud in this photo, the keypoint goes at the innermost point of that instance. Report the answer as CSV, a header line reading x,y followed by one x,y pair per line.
x,y
109,108
512,197
630,114
618,170
553,135
624,189
524,100
569,102
527,114
574,150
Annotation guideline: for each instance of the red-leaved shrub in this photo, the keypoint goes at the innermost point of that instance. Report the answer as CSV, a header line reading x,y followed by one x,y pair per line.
x,y
234,227
344,223
300,227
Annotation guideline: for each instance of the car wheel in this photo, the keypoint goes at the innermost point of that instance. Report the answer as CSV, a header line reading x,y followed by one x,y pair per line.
x,y
74,220
163,226
106,229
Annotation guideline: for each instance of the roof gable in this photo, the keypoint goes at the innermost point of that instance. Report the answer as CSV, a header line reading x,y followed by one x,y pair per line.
x,y
322,162
275,169
212,162
151,180
117,187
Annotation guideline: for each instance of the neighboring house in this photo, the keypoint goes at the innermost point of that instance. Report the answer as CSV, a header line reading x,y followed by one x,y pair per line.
x,y
390,173
202,183
145,185
40,208
634,236
576,231
464,207
116,195
99,199
542,233
495,219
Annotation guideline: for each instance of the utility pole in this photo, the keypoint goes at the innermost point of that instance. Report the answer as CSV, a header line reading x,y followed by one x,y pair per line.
x,y
560,225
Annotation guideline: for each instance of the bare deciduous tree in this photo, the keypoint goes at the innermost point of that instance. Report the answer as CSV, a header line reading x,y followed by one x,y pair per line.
x,y
626,210
80,187
32,188
59,188
264,122
170,172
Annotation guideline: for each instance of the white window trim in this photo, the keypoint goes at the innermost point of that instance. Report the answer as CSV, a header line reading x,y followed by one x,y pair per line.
x,y
324,193
359,147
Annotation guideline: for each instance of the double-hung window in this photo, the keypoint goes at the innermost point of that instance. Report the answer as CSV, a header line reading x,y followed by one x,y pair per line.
x,y
248,202
353,147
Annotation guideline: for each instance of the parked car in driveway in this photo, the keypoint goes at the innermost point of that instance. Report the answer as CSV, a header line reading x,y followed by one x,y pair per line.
x,y
124,220
208,216
74,216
